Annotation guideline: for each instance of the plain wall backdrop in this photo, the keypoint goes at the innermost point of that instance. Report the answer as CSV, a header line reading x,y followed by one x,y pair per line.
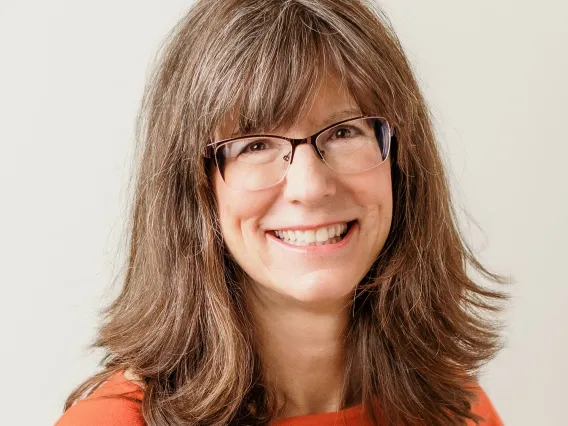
x,y
72,75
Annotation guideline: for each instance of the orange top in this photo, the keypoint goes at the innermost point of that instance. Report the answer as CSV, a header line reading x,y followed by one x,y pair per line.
x,y
95,410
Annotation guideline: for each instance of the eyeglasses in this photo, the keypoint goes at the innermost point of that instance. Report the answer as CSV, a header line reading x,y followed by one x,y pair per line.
x,y
260,161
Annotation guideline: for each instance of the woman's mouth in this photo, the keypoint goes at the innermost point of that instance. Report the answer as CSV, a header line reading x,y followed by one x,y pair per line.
x,y
330,234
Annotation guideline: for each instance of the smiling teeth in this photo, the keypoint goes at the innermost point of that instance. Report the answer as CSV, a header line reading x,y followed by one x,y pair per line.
x,y
325,235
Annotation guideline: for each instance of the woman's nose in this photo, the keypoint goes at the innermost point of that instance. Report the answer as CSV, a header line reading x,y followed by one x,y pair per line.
x,y
308,179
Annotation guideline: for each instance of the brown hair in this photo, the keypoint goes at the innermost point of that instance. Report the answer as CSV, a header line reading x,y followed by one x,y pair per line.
x,y
420,329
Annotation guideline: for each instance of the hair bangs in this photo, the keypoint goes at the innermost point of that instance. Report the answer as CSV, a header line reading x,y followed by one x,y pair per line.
x,y
284,75
287,64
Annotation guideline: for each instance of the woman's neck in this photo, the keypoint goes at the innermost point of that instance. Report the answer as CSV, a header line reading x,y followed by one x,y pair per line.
x,y
302,348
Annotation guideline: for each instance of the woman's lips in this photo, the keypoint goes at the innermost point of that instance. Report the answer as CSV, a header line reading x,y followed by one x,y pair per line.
x,y
315,247
323,235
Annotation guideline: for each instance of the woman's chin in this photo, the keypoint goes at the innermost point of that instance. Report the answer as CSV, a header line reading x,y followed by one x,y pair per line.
x,y
320,290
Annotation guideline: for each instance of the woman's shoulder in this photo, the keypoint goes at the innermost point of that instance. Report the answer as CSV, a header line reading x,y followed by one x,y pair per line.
x,y
485,408
116,402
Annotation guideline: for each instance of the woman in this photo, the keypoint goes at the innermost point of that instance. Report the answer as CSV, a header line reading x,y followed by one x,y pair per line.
x,y
294,256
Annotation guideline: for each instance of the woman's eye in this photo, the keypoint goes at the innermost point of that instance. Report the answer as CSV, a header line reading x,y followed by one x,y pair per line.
x,y
255,146
342,132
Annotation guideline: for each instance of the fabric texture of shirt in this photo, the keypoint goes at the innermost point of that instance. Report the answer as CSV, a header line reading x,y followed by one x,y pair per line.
x,y
101,409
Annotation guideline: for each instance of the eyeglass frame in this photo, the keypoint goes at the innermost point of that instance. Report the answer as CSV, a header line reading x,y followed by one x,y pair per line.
x,y
211,148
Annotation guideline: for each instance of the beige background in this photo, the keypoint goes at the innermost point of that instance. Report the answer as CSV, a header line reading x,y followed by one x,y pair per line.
x,y
71,78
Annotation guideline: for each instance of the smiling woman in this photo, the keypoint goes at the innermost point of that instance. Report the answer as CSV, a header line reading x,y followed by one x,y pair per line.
x,y
294,255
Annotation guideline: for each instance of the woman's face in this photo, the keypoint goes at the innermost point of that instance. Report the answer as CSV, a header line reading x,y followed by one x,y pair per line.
x,y
311,197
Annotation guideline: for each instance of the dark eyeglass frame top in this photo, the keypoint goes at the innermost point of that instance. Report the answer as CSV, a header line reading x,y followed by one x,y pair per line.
x,y
211,148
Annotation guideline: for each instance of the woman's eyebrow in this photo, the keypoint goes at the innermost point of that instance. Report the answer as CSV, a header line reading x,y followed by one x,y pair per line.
x,y
330,119
338,116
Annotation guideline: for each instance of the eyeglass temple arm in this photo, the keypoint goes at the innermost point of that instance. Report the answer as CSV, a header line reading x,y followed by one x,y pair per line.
x,y
209,151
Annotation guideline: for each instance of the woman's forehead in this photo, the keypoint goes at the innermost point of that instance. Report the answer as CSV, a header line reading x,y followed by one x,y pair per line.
x,y
329,102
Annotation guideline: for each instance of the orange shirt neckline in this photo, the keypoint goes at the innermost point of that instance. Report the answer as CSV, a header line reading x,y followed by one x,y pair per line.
x,y
347,416
119,385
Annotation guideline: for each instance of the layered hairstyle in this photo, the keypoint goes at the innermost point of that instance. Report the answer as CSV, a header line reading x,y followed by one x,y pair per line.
x,y
421,326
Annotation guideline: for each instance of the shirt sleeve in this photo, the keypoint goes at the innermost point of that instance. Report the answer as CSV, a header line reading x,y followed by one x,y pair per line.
x,y
103,411
117,402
